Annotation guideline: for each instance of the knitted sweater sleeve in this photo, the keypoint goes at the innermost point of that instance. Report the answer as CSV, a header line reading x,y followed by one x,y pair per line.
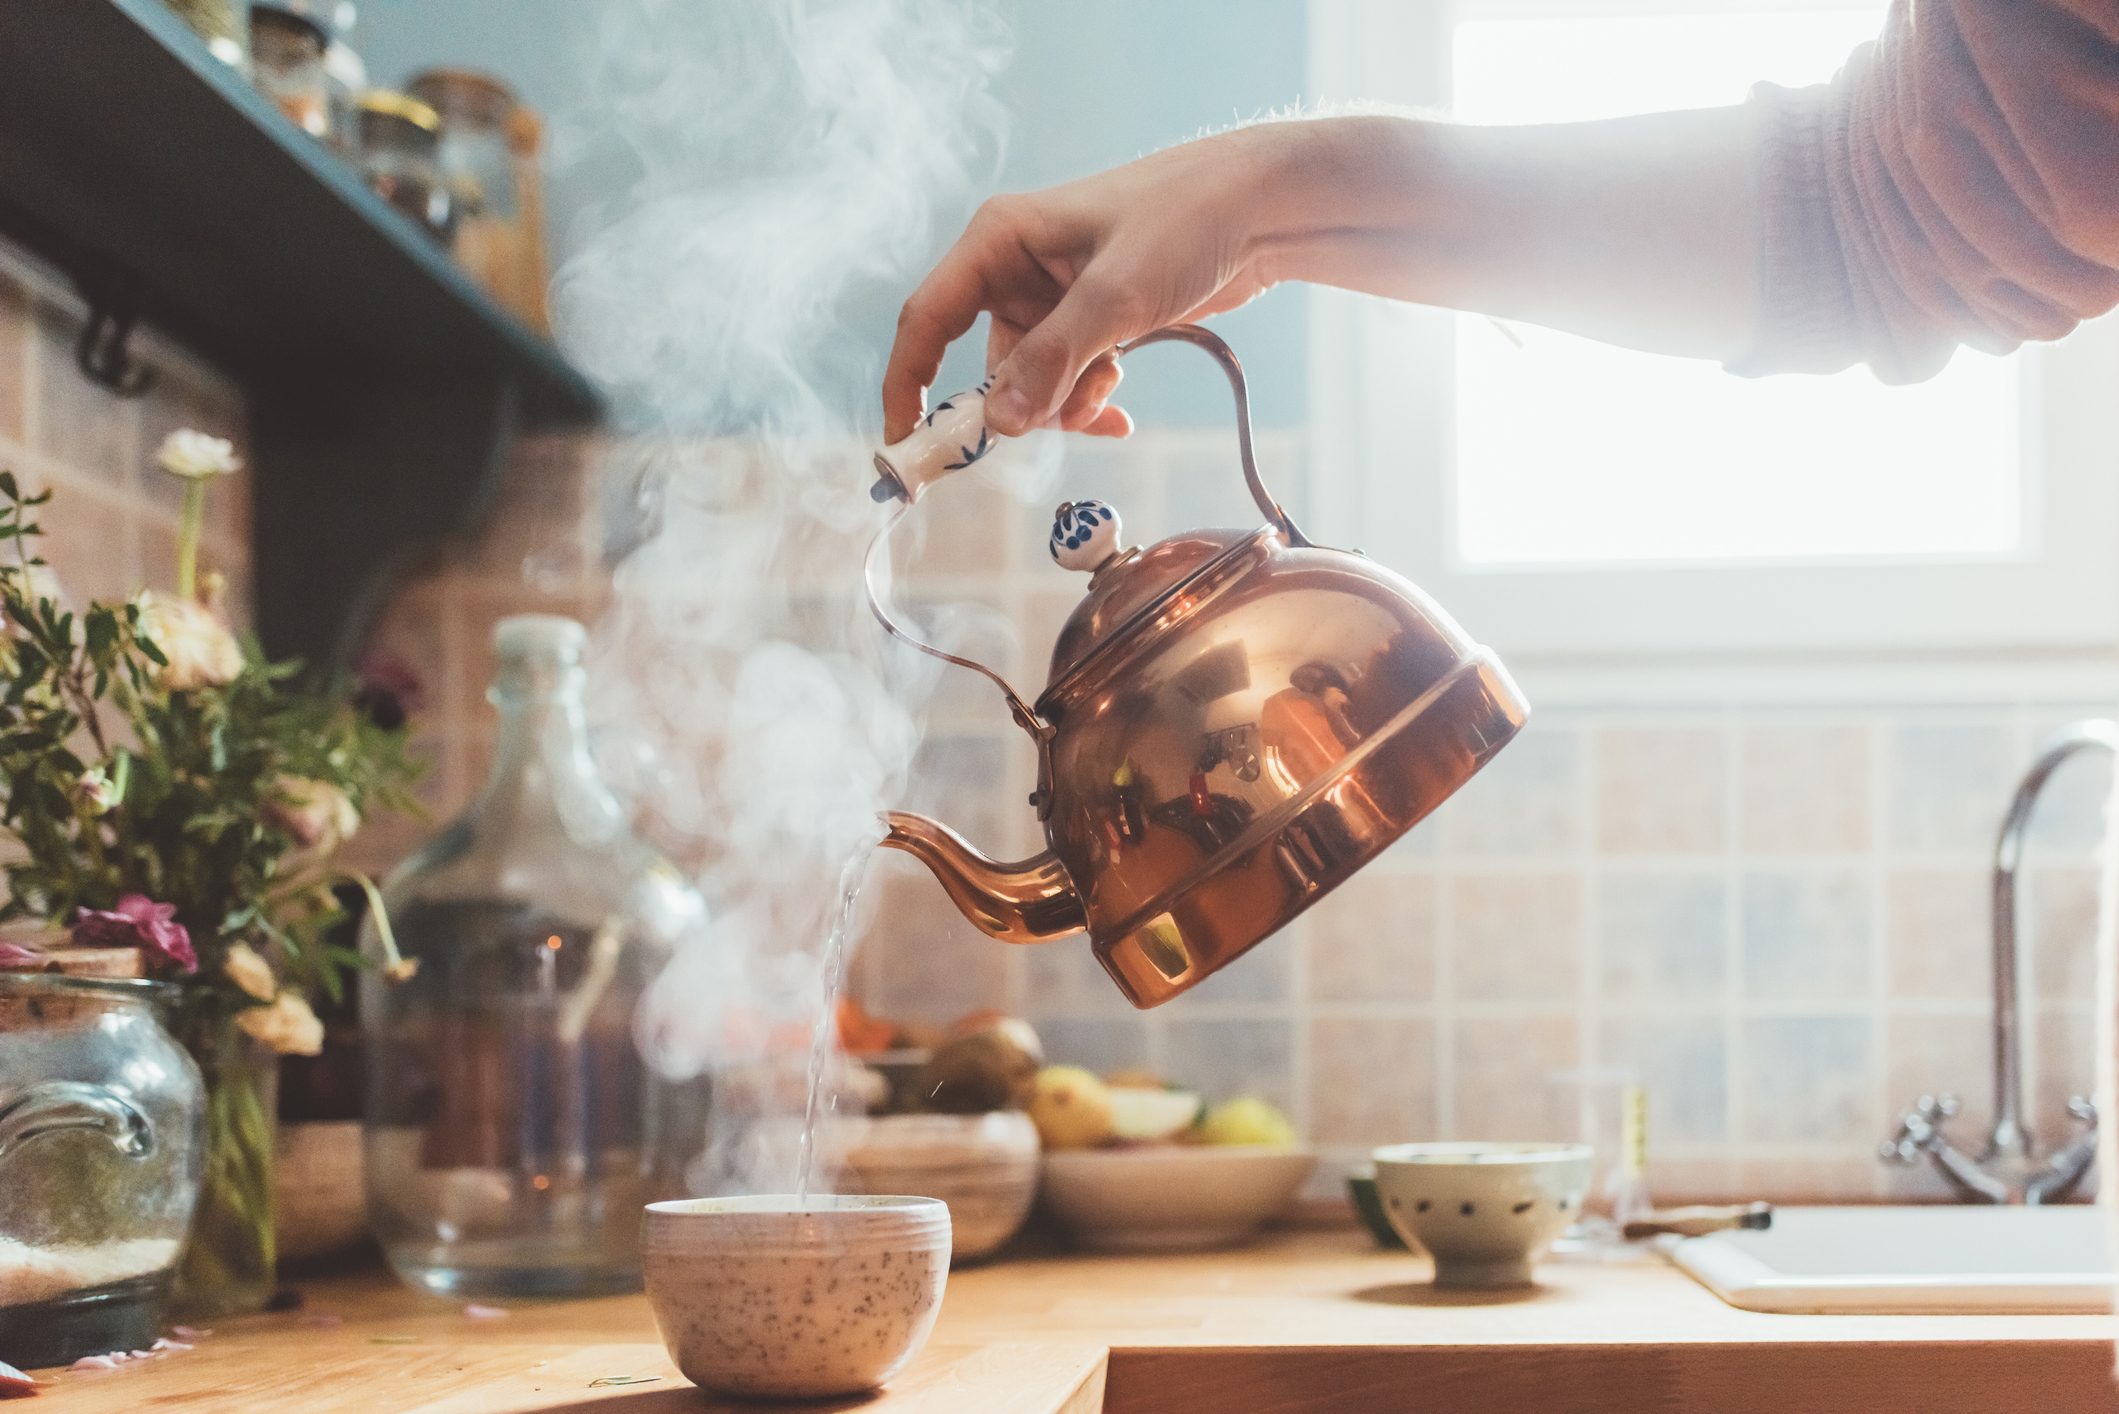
x,y
1957,182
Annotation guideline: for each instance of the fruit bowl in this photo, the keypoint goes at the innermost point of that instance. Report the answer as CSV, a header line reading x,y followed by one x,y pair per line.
x,y
1171,1197
983,1166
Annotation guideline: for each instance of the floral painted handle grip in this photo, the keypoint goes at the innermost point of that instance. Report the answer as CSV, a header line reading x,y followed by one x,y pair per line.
x,y
954,434
949,438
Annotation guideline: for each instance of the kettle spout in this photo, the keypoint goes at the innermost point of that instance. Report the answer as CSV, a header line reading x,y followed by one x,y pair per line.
x,y
1030,902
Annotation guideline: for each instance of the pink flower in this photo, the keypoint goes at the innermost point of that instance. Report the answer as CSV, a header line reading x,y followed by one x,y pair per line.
x,y
16,955
138,922
389,690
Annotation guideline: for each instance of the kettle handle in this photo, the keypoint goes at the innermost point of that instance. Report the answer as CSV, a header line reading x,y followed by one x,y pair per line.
x,y
1222,354
954,434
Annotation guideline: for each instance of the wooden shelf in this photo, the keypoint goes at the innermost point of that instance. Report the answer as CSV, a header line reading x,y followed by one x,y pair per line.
x,y
386,386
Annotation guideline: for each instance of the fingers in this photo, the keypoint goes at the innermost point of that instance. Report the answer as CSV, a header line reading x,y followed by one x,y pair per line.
x,y
1036,377
942,308
1111,422
1091,391
990,269
1002,335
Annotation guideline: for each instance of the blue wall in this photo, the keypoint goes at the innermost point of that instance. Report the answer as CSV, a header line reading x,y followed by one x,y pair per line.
x,y
1094,83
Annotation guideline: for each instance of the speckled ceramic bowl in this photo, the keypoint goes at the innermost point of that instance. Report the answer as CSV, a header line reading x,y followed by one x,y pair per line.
x,y
983,1166
1484,1212
758,1297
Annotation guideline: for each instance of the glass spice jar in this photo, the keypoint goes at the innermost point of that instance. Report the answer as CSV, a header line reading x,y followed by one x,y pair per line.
x,y
348,77
218,22
474,152
287,65
478,164
400,144
100,1157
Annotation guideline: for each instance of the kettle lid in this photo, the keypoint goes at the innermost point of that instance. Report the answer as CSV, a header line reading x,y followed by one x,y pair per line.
x,y
1124,584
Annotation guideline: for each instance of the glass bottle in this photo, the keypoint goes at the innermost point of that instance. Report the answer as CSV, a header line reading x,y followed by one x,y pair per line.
x,y
512,1132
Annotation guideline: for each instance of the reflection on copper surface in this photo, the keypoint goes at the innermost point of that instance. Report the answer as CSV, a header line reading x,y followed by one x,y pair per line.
x,y
1196,811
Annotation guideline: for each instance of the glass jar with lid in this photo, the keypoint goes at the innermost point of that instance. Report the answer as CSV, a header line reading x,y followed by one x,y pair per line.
x,y
293,31
489,159
287,45
219,23
475,156
513,1132
100,1150
400,143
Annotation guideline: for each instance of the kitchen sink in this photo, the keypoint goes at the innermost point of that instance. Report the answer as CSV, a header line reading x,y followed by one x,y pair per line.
x,y
1909,1259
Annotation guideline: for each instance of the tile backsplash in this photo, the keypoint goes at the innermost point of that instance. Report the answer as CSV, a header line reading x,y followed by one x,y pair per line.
x,y
112,525
1777,918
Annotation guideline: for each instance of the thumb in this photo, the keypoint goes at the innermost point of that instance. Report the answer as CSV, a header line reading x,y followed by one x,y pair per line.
x,y
1036,377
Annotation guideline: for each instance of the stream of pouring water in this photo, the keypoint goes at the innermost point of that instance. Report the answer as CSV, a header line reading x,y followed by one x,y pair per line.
x,y
827,1027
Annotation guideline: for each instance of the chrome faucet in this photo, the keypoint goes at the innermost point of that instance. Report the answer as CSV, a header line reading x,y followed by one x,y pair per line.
x,y
2009,1169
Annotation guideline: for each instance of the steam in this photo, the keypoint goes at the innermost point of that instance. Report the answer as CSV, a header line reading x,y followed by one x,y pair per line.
x,y
795,163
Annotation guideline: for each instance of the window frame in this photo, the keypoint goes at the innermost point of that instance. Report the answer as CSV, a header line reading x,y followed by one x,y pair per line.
x,y
2044,620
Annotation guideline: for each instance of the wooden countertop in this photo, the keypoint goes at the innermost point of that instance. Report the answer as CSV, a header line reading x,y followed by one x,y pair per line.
x,y
1302,1320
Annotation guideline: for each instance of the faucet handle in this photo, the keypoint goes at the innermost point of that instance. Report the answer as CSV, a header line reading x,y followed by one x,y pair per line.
x,y
1919,1130
2065,1166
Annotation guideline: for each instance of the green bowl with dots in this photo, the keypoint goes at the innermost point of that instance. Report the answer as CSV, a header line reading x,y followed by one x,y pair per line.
x,y
1485,1212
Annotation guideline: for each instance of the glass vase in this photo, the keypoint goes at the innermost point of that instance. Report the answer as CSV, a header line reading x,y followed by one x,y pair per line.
x,y
228,1261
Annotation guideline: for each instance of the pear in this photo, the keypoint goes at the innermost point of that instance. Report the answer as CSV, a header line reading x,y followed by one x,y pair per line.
x,y
1071,1108
1246,1121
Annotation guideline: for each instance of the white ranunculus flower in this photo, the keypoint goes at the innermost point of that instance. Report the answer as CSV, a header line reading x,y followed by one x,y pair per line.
x,y
316,813
286,1024
248,970
200,649
95,791
195,456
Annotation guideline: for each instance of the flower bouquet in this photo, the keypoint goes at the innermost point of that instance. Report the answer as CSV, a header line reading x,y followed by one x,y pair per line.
x,y
168,789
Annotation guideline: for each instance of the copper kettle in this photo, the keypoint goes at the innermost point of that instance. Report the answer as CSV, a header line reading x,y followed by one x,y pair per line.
x,y
1234,723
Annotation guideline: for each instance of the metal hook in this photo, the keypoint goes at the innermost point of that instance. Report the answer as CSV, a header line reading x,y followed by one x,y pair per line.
x,y
101,353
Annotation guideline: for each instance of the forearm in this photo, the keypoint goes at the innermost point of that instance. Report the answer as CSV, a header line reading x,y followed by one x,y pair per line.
x,y
1637,231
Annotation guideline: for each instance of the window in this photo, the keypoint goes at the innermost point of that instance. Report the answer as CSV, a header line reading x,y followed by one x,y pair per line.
x,y
1569,499
1643,459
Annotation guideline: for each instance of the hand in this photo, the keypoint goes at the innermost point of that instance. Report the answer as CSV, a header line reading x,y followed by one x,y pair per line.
x,y
1069,273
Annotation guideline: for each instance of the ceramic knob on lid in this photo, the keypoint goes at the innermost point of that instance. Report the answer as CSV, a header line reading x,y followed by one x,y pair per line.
x,y
1084,535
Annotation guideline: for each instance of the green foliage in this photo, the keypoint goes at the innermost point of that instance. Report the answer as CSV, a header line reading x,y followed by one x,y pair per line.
x,y
113,782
